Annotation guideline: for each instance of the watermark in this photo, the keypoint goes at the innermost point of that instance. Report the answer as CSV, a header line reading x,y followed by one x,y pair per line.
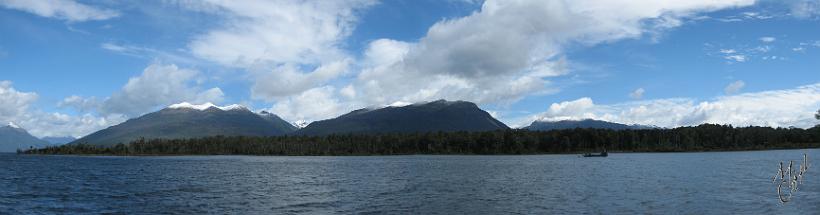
x,y
790,178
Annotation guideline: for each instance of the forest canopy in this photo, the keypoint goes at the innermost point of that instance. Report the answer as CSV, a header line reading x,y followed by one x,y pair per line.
x,y
707,137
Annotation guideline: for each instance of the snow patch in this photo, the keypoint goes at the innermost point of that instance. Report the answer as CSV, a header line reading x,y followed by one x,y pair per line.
x,y
394,104
11,124
300,123
186,105
400,104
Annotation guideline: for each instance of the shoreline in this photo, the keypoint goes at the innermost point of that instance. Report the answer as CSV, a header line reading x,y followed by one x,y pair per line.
x,y
415,154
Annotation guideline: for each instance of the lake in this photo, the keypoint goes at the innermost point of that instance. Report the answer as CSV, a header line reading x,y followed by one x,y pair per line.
x,y
658,183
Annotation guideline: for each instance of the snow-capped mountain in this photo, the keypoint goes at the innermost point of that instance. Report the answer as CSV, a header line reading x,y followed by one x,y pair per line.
x,y
13,137
185,120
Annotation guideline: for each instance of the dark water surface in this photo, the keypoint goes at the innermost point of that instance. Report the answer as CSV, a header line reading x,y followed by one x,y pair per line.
x,y
658,183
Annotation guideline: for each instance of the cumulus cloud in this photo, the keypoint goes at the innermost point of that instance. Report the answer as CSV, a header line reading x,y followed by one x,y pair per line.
x,y
79,103
637,94
288,80
157,86
777,108
734,87
54,124
510,49
259,32
16,106
13,103
499,54
314,104
288,47
61,9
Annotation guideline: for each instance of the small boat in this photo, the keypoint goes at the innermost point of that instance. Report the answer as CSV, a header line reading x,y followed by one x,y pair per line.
x,y
602,154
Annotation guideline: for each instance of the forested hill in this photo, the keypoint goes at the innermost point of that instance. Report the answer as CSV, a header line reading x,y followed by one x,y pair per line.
x,y
700,138
587,123
187,121
441,115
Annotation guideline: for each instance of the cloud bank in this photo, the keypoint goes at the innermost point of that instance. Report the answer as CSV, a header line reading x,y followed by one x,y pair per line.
x,y
16,106
497,55
776,108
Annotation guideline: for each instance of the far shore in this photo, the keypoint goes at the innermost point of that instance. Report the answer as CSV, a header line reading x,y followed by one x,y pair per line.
x,y
376,155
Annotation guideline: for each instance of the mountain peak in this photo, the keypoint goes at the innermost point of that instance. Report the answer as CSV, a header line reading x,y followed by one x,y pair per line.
x,y
186,120
405,104
440,115
300,124
12,137
205,106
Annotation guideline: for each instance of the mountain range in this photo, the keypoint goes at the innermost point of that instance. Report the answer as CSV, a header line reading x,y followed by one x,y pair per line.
x,y
59,140
12,137
186,120
586,123
191,121
439,115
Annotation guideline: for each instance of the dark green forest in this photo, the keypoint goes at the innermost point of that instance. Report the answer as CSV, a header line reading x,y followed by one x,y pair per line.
x,y
705,137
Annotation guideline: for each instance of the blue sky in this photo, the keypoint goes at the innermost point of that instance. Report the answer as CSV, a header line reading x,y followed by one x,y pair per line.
x,y
72,67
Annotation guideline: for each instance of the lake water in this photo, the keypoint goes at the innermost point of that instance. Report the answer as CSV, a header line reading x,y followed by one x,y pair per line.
x,y
658,183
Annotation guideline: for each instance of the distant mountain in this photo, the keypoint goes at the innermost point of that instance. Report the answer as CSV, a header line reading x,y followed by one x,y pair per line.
x,y
439,115
190,121
587,123
12,137
277,122
59,140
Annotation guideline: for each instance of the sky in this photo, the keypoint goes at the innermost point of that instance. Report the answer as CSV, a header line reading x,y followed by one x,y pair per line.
x,y
72,67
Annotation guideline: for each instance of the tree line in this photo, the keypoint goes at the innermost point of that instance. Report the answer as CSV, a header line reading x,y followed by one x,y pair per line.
x,y
707,137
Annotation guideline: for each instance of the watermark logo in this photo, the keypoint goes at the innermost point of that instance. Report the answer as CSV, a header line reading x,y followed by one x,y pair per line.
x,y
788,179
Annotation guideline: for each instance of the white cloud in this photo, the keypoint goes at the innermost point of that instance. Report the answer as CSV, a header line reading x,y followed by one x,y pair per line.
x,y
265,32
150,53
509,49
13,103
505,51
767,39
777,108
577,109
61,9
42,124
637,94
158,85
728,51
288,80
288,47
79,103
745,53
756,15
736,58
734,87
762,49
16,106
804,8
311,105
